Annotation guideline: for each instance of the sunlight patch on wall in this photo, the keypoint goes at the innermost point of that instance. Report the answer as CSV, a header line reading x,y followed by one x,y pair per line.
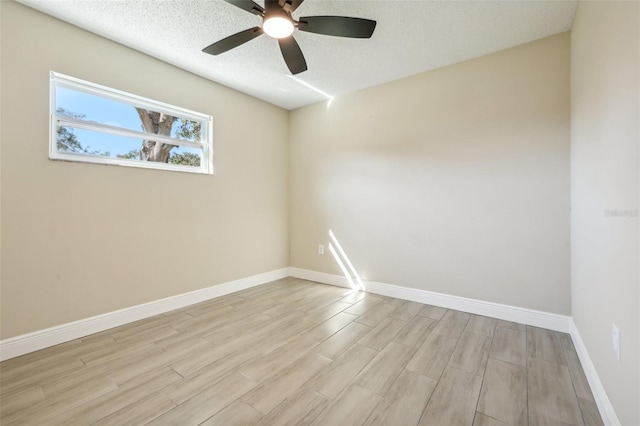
x,y
341,258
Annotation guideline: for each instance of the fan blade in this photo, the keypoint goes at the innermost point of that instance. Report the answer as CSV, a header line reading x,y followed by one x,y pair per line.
x,y
271,5
247,5
233,41
294,4
292,55
340,26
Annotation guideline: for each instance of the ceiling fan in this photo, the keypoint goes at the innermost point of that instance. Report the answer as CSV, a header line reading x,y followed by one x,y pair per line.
x,y
278,23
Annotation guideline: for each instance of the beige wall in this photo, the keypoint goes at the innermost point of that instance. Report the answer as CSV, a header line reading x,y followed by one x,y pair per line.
x,y
605,112
81,239
454,181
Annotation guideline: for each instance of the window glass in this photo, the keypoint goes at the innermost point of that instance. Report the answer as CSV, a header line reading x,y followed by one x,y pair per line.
x,y
96,124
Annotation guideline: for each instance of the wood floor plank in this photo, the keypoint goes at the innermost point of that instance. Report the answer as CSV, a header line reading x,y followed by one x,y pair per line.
x,y
208,306
407,311
504,393
452,323
156,361
567,343
385,368
225,332
454,400
353,296
433,312
509,345
416,331
288,333
19,400
512,325
270,393
94,339
118,350
481,325
148,329
140,412
331,326
296,296
268,327
252,306
57,385
322,314
111,402
580,383
314,305
337,376
353,407
471,353
59,403
150,335
236,414
181,338
207,403
36,359
271,363
375,316
301,409
15,379
405,401
394,301
191,385
546,345
196,359
590,413
277,311
382,333
432,357
65,351
335,345
364,305
537,418
242,341
551,392
207,320
484,420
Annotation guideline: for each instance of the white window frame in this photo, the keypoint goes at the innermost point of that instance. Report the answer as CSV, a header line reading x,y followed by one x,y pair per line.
x,y
206,128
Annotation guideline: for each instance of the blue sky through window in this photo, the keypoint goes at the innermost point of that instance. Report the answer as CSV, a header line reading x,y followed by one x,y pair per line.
x,y
98,109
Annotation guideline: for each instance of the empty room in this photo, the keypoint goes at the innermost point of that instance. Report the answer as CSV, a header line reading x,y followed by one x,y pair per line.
x,y
319,212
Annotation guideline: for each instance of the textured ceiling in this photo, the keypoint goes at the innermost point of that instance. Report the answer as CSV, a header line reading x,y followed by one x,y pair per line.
x,y
411,37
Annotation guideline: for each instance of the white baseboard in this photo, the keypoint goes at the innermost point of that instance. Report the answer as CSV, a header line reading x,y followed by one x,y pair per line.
x,y
480,307
319,277
20,345
609,416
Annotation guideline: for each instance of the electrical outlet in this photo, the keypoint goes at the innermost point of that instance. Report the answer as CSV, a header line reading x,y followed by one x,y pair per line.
x,y
320,248
615,340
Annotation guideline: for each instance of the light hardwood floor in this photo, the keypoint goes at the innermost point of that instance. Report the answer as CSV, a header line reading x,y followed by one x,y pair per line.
x,y
296,352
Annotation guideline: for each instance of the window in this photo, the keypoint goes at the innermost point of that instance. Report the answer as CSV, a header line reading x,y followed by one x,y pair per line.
x,y
96,124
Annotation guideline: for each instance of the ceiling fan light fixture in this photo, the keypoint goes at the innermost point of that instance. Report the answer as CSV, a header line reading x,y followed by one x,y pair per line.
x,y
278,27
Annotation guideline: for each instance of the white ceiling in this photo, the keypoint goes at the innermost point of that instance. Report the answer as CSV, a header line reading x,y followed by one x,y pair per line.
x,y
411,37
